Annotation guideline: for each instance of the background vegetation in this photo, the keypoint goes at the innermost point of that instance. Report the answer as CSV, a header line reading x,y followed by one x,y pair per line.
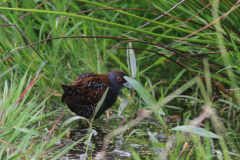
x,y
185,61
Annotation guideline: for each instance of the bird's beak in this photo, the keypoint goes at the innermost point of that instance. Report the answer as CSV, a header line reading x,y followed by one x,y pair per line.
x,y
127,85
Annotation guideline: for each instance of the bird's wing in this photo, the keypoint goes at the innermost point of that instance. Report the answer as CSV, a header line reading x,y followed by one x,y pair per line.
x,y
85,91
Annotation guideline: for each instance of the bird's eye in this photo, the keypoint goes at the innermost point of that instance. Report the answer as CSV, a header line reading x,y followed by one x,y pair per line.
x,y
119,78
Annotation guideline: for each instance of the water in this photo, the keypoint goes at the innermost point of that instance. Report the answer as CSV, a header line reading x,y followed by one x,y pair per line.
x,y
136,138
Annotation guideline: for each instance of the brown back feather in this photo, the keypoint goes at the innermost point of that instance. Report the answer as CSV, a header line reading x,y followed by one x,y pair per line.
x,y
88,90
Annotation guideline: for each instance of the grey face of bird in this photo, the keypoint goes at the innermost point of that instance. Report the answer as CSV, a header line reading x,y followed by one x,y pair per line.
x,y
117,80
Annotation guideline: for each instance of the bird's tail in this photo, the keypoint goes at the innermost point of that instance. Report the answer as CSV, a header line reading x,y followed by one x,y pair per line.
x,y
67,91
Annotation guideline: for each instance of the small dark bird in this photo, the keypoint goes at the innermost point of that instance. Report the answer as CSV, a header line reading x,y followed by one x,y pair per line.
x,y
83,95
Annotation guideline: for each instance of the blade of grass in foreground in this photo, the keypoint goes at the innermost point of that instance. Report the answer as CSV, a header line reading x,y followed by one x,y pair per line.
x,y
145,95
196,130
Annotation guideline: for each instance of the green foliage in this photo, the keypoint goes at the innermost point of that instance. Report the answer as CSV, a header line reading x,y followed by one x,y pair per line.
x,y
165,58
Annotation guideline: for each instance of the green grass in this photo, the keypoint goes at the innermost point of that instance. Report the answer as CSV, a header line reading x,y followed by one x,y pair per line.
x,y
197,77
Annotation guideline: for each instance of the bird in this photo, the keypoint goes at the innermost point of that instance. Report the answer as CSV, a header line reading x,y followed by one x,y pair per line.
x,y
82,95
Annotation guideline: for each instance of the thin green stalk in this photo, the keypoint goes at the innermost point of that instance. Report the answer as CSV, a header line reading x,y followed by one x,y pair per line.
x,y
112,24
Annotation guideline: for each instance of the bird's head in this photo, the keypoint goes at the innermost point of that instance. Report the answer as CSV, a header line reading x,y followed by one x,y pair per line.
x,y
117,81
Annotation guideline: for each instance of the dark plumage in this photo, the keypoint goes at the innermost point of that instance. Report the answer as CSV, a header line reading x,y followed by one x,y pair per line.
x,y
83,95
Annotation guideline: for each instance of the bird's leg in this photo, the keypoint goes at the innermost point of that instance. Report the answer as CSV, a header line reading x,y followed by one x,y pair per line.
x,y
107,114
82,124
90,120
